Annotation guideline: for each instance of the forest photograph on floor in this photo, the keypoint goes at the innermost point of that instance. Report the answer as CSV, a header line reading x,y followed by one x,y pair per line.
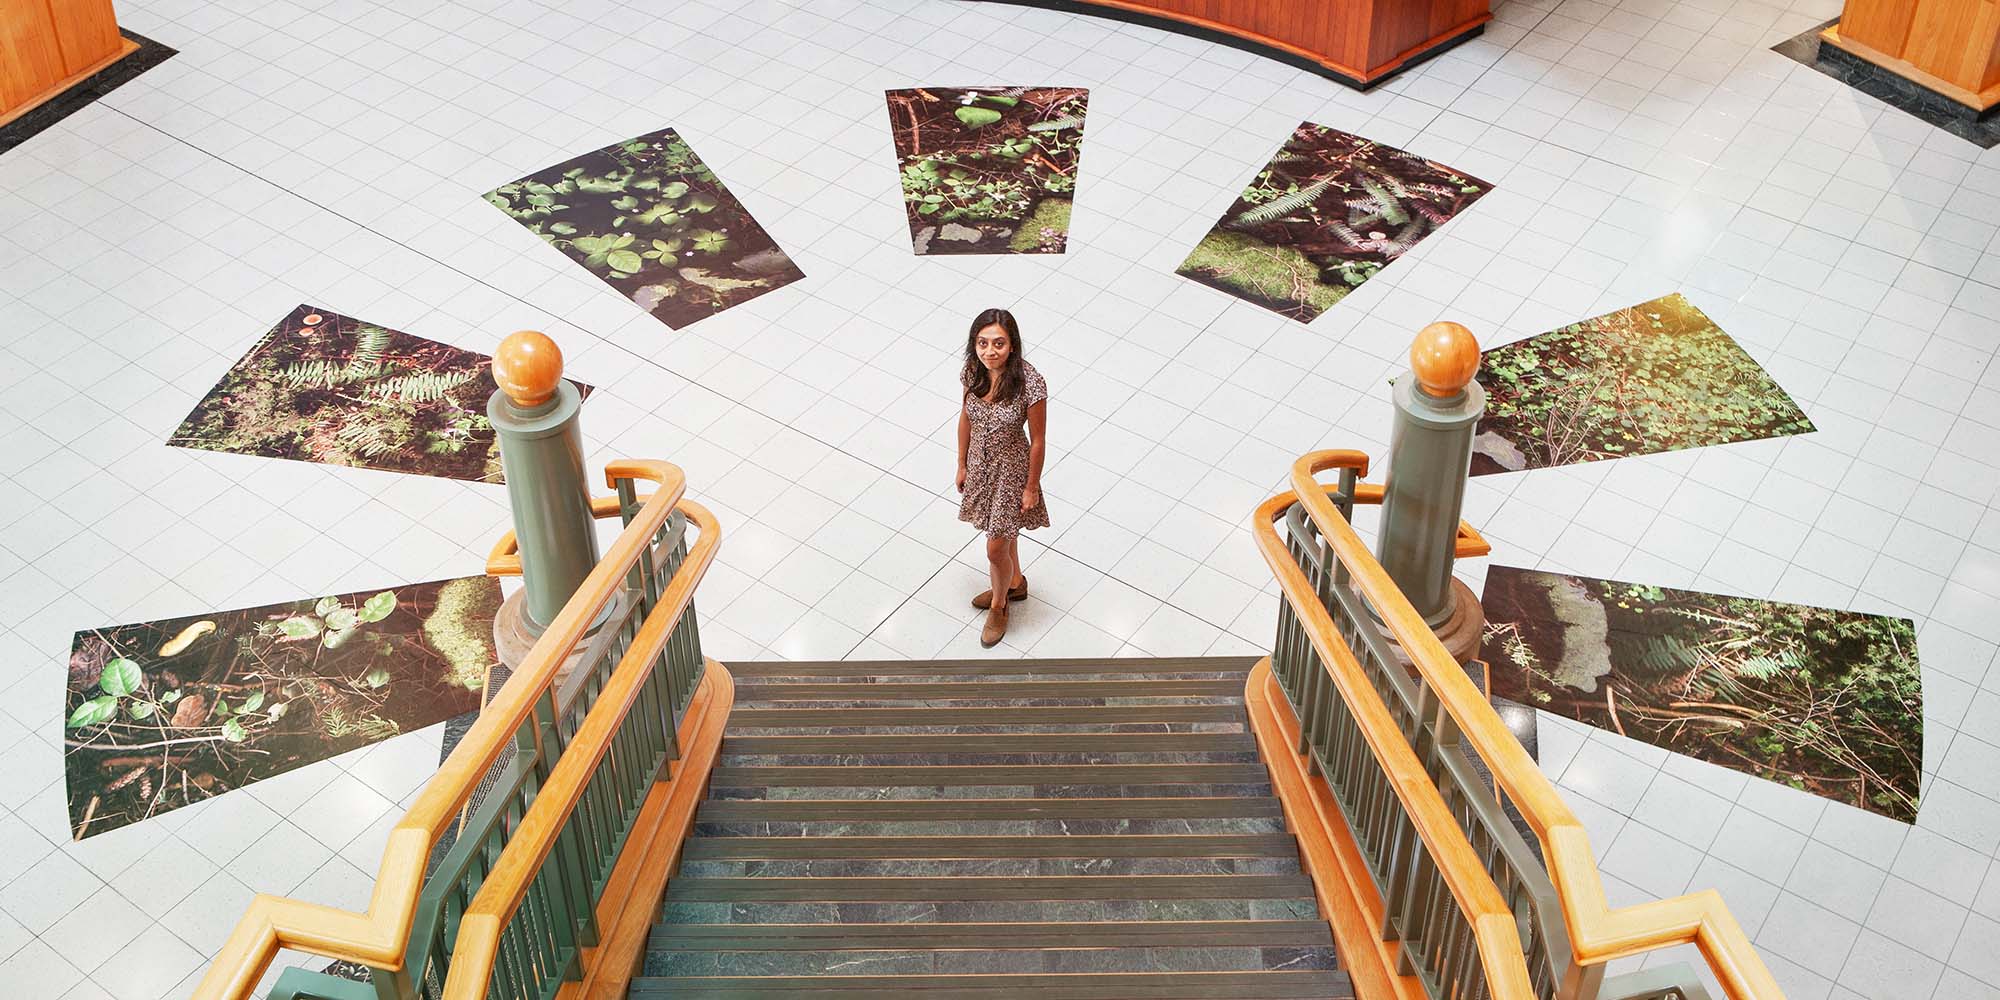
x,y
1659,376
988,169
163,714
1828,702
322,387
1328,212
648,218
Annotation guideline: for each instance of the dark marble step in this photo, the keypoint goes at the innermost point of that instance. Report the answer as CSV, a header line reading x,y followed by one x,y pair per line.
x,y
885,810
1116,666
1027,716
917,792
1028,986
946,758
986,960
939,867
992,827
987,911
1260,845
1100,775
1143,934
944,748
949,727
1026,888
925,689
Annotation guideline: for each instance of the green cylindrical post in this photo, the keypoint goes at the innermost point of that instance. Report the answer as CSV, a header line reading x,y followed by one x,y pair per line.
x,y
541,451
1438,406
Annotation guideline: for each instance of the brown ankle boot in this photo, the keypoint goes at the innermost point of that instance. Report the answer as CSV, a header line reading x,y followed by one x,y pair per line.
x,y
985,598
996,626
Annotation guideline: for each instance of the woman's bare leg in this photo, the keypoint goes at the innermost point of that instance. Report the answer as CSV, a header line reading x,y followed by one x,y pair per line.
x,y
1000,568
1014,560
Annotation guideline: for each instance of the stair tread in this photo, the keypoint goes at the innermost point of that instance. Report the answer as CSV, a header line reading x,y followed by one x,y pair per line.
x,y
953,668
991,936
883,776
1024,743
795,810
1272,985
1238,845
979,887
949,690
1017,715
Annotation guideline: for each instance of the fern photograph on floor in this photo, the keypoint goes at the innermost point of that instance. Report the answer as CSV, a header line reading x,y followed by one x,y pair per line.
x,y
1329,211
1658,376
322,387
650,219
1824,701
163,714
988,169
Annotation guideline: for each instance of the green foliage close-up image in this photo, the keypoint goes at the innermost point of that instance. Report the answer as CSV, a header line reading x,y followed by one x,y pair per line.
x,y
988,170
650,219
322,387
1825,701
163,714
1327,213
1659,376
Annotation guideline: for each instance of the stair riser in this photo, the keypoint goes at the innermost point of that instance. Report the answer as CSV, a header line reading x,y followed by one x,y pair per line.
x,y
990,828
997,729
991,911
935,758
933,792
940,867
879,963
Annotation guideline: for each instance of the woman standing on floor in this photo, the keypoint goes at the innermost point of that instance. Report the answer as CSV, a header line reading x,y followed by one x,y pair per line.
x,y
999,466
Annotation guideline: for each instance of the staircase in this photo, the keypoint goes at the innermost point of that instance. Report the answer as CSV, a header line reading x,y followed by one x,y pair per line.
x,y
1063,829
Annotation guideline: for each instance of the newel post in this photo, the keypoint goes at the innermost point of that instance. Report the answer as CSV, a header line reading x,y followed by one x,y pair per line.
x,y
534,415
1438,406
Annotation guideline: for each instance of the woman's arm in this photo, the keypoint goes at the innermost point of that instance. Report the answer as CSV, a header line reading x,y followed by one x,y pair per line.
x,y
1038,423
964,442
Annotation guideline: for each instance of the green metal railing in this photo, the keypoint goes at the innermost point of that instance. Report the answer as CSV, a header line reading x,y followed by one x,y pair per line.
x,y
539,744
1438,942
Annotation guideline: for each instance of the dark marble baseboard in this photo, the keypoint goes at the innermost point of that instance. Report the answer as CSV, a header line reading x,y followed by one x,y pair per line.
x,y
1898,92
85,93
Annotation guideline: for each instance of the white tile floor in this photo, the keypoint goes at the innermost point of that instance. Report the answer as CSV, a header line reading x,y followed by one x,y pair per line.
x,y
334,153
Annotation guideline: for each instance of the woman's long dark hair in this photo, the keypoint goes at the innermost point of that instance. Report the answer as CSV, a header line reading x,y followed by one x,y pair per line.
x,y
978,381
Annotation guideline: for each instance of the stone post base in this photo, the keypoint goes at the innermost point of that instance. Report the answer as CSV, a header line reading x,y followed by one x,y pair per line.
x,y
512,641
1460,633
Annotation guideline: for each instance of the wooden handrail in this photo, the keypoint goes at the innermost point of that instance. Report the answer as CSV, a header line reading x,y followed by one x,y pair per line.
x,y
1491,919
507,884
378,936
1597,932
504,559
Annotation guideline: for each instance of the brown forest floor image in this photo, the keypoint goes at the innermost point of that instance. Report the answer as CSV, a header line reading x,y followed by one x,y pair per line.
x,y
1659,376
1328,212
652,221
322,387
988,169
162,714
1828,702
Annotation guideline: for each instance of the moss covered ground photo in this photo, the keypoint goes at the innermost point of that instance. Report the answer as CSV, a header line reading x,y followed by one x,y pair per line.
x,y
1327,213
162,714
1825,701
651,220
1659,376
322,387
988,170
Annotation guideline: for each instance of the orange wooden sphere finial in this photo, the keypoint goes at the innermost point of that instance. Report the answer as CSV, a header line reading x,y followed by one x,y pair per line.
x,y
527,367
1445,357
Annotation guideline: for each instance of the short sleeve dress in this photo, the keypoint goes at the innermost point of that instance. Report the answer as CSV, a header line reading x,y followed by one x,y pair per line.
x,y
996,461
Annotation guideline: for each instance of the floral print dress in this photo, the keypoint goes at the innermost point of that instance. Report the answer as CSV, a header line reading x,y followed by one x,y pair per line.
x,y
996,461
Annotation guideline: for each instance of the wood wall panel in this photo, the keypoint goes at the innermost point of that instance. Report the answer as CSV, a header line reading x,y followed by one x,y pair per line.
x,y
1949,46
87,30
48,45
1361,39
30,59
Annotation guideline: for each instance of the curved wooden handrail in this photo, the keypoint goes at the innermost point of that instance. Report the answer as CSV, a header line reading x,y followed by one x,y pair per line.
x,y
507,884
504,559
1491,919
1597,932
378,936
